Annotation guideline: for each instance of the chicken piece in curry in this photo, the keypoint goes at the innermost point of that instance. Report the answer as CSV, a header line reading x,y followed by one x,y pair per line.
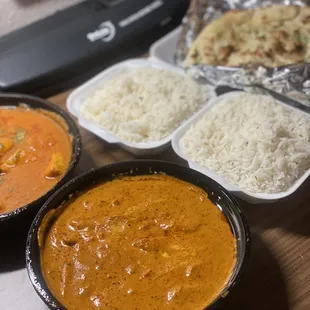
x,y
142,242
35,151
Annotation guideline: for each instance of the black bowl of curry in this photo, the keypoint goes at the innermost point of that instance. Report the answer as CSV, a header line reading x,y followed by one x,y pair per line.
x,y
40,145
145,234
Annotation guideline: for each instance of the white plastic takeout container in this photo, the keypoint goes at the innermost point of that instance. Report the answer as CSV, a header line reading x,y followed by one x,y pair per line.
x,y
237,191
75,100
164,49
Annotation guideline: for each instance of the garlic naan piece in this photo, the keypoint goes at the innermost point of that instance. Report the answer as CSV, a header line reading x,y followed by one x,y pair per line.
x,y
271,36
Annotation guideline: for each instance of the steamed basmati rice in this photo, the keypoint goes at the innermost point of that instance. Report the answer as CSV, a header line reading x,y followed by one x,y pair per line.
x,y
253,142
144,104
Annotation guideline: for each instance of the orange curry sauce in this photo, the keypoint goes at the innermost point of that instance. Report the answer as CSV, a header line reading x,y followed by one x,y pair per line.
x,y
35,151
144,242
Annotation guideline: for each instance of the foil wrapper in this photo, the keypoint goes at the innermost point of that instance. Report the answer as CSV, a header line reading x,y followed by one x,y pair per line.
x,y
292,80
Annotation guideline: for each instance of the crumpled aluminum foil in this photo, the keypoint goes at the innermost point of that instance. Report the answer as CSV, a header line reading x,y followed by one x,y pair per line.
x,y
292,80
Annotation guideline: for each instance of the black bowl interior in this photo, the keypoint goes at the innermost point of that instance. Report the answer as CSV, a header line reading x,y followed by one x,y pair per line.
x,y
38,103
216,193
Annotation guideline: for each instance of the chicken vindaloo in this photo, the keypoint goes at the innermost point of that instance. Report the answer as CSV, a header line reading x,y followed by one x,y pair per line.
x,y
35,151
143,242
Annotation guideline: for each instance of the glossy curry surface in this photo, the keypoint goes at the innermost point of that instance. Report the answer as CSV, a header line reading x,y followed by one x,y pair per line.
x,y
143,242
35,151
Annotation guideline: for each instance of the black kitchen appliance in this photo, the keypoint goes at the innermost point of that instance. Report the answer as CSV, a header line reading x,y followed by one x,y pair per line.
x,y
68,47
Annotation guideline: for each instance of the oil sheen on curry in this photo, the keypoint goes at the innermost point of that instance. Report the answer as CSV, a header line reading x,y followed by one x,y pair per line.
x,y
35,151
141,242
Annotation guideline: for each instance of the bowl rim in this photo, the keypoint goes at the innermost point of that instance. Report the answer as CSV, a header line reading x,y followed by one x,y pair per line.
x,y
95,176
14,99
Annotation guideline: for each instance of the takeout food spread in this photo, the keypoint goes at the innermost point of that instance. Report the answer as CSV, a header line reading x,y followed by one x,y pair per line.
x,y
150,241
155,240
35,152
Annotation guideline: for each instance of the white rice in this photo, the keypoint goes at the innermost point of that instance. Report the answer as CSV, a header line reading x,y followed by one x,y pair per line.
x,y
252,141
145,104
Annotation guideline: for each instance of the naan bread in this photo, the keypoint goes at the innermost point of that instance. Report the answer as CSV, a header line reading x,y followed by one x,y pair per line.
x,y
272,36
